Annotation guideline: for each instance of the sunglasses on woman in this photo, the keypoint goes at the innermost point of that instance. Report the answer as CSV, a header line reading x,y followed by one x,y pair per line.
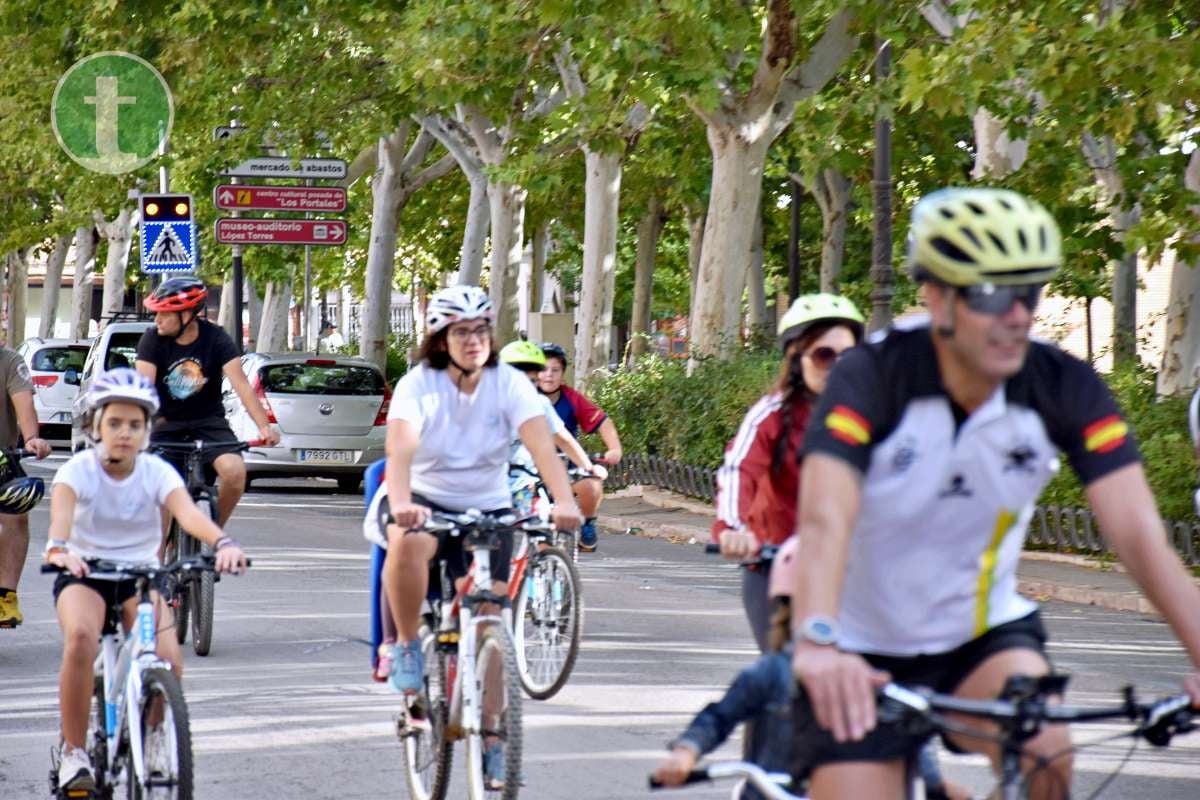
x,y
987,298
824,357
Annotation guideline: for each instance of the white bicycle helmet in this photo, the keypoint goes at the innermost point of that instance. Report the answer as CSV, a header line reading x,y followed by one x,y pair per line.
x,y
124,384
456,304
19,493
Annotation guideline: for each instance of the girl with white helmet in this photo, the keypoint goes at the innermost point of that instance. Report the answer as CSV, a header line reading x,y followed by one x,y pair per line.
x,y
449,427
758,481
107,503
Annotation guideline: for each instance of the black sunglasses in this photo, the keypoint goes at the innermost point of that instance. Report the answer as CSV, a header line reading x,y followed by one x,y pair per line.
x,y
823,357
987,298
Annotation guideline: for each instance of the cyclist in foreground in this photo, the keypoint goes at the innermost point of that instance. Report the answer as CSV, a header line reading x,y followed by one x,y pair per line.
x,y
106,503
449,430
579,413
185,357
757,483
926,455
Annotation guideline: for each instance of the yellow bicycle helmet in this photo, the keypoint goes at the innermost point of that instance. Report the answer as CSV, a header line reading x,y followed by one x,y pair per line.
x,y
523,355
969,236
809,309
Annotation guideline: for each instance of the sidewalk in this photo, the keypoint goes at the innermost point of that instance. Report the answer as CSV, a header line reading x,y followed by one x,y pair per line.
x,y
646,511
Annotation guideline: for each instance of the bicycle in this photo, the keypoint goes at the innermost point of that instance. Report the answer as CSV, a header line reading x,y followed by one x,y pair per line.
x,y
129,679
470,670
547,600
1023,706
534,499
196,597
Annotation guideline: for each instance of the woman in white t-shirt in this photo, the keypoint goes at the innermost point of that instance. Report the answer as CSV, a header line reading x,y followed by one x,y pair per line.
x,y
449,429
107,503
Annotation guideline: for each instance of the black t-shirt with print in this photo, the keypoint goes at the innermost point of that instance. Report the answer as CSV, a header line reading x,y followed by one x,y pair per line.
x,y
189,376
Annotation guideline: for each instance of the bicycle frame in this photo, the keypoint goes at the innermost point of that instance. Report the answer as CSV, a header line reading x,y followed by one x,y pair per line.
x,y
121,665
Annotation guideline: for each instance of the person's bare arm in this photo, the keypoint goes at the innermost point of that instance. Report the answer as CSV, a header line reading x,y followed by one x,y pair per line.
x,y
535,435
27,421
147,368
612,442
237,379
403,439
62,516
570,445
1125,509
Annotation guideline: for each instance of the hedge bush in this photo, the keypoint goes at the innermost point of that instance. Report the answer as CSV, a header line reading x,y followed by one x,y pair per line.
x,y
660,410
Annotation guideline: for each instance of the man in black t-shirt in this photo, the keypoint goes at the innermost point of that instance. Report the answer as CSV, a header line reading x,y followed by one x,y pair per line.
x,y
186,356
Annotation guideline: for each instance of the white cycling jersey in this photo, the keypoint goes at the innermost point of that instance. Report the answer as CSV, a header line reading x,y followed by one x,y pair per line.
x,y
947,497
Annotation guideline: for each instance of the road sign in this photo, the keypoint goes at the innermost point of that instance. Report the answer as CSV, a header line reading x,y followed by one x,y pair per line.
x,y
223,132
277,167
168,233
281,231
318,199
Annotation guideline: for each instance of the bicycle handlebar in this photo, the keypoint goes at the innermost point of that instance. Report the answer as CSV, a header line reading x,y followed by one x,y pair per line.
x,y
766,554
205,562
1157,721
475,521
199,446
769,784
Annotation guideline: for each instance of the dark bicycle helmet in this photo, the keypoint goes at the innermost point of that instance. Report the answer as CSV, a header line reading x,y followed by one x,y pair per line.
x,y
19,493
553,350
178,294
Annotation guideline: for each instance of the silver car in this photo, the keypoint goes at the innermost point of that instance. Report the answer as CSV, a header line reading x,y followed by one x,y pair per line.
x,y
331,412
54,366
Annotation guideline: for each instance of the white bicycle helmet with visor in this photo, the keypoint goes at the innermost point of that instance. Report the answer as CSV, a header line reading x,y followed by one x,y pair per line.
x,y
457,304
121,384
19,492
810,309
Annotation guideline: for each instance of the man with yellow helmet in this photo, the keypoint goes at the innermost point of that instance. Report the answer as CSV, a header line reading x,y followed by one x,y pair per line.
x,y
923,461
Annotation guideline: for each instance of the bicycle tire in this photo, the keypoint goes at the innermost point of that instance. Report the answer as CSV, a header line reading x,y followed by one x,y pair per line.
x,y
177,783
496,647
203,593
97,742
176,547
545,656
427,755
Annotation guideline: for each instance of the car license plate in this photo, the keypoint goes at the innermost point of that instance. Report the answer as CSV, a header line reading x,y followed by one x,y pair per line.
x,y
337,456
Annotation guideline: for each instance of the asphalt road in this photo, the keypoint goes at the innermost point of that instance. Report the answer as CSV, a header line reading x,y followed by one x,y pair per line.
x,y
284,707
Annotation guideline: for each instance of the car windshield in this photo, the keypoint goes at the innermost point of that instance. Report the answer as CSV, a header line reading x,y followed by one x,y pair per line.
x,y
122,350
328,379
59,359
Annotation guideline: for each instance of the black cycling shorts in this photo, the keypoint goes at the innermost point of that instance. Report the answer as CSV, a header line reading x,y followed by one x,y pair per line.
x,y
813,746
115,593
212,430
450,548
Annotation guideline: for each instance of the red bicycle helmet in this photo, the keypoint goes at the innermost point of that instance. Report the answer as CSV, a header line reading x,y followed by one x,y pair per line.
x,y
178,294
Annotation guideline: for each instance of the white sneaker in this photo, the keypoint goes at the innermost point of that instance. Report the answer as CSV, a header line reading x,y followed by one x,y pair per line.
x,y
75,769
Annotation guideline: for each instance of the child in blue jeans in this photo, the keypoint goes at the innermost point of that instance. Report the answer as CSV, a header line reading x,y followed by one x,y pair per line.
x,y
763,693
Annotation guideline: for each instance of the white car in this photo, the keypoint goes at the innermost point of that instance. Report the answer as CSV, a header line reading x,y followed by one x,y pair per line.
x,y
331,412
54,366
116,346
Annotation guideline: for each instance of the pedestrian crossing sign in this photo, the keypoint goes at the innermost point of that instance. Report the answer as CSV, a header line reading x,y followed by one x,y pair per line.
x,y
168,234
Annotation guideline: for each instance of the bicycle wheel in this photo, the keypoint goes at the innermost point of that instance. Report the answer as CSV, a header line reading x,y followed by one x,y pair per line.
x,y
97,742
495,735
203,593
427,754
176,547
548,623
166,741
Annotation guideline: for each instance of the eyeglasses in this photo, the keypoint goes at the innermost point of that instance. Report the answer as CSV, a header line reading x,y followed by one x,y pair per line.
x,y
987,298
465,334
823,357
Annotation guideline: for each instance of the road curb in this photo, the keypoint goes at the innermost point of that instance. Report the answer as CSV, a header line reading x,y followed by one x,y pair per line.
x,y
1036,589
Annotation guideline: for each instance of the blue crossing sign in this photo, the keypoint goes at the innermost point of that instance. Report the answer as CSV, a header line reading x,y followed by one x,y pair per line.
x,y
168,233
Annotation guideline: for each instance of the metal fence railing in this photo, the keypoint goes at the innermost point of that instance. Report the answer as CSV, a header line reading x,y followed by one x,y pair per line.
x,y
1068,530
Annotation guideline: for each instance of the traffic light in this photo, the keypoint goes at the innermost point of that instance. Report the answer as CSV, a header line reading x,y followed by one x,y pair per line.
x,y
166,208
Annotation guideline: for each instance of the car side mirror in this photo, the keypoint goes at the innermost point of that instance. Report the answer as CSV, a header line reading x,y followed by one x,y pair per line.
x,y
71,376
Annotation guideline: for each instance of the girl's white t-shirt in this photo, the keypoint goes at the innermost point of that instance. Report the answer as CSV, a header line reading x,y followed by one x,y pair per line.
x,y
462,460
120,520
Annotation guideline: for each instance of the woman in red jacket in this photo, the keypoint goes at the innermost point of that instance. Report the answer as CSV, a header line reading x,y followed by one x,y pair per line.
x,y
758,482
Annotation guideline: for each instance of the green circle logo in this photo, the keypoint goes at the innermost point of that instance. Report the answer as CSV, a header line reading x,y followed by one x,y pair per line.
x,y
111,111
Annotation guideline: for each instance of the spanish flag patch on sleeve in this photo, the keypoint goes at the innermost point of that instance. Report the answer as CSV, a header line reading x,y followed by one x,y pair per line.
x,y
848,425
1105,434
